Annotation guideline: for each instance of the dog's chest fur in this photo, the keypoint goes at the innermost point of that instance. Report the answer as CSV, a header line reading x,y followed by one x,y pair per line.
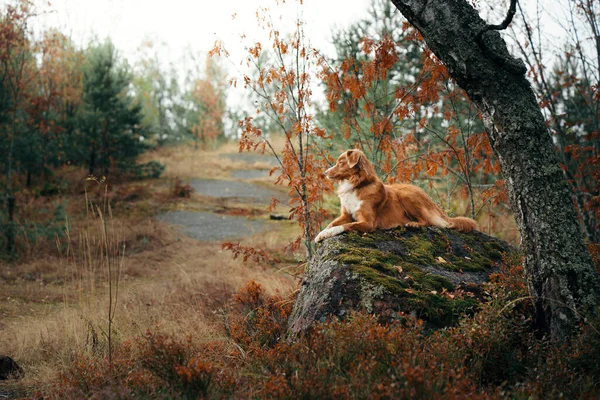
x,y
349,199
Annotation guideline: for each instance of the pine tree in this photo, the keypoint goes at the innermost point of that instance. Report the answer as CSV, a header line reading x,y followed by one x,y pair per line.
x,y
110,120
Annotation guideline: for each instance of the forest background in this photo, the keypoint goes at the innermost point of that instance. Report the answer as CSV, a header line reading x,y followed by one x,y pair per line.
x,y
81,120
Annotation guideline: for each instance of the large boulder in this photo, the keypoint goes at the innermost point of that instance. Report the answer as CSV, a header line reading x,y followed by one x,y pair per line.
x,y
432,273
10,369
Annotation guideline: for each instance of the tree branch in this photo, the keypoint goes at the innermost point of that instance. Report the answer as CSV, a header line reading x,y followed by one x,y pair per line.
x,y
509,17
514,66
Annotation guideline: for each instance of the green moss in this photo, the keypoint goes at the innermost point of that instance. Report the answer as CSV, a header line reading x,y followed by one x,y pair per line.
x,y
440,311
356,239
420,249
371,258
393,285
425,281
399,272
418,292
494,250
489,246
475,262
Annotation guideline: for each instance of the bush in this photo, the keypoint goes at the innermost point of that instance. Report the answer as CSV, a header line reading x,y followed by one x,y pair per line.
x,y
156,366
30,235
54,187
149,170
259,320
180,189
491,355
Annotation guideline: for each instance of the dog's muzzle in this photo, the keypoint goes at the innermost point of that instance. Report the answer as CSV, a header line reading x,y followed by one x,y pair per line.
x,y
327,173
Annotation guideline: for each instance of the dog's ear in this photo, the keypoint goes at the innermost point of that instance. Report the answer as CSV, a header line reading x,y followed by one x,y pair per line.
x,y
353,157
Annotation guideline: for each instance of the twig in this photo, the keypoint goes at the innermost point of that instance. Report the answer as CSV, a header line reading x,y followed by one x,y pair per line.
x,y
509,17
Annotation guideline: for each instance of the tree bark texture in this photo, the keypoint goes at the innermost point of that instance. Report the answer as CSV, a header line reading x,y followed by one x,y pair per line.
x,y
10,227
559,271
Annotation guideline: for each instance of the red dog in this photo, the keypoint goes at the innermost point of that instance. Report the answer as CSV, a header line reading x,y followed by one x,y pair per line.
x,y
369,204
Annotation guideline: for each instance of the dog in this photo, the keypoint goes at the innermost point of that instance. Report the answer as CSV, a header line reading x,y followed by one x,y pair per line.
x,y
369,204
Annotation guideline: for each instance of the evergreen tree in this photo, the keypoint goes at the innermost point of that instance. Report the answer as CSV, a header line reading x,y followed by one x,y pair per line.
x,y
110,120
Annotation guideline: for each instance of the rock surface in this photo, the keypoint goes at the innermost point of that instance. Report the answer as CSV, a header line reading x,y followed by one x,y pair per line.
x,y
435,274
10,369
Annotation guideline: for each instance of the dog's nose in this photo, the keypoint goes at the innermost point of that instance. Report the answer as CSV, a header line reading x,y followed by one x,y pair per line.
x,y
326,173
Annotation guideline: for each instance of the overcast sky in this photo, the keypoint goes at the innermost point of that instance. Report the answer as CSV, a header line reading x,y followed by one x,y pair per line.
x,y
185,25
192,26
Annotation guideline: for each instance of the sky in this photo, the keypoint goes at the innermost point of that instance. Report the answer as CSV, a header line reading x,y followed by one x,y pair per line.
x,y
190,25
193,25
182,27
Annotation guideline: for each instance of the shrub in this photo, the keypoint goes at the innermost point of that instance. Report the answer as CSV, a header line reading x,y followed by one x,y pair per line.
x,y
155,366
96,378
149,170
54,187
259,320
491,355
29,236
180,189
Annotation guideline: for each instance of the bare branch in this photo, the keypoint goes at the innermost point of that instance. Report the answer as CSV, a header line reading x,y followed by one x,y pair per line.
x,y
514,66
509,17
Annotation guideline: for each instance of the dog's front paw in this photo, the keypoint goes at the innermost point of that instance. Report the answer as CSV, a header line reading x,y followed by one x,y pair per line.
x,y
320,236
329,232
412,225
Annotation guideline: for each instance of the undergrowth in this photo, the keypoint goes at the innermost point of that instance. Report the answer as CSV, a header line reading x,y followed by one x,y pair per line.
x,y
493,354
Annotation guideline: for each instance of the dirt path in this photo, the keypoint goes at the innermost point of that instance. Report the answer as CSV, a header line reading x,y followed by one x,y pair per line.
x,y
209,226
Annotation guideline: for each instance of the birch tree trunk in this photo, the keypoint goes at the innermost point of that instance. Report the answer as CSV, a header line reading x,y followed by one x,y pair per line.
x,y
559,271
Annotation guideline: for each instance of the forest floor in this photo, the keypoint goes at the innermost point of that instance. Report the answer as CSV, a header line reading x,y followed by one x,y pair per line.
x,y
174,277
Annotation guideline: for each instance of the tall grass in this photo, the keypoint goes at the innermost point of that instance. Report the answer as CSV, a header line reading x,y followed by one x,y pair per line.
x,y
98,251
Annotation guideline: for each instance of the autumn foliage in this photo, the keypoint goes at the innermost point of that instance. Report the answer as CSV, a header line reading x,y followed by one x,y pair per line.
x,y
283,91
490,355
386,94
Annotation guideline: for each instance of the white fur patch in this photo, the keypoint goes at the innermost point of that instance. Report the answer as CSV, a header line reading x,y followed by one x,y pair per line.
x,y
348,198
329,232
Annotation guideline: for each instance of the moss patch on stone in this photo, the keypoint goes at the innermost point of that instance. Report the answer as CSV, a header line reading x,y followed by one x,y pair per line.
x,y
370,276
399,271
458,251
394,261
414,289
368,257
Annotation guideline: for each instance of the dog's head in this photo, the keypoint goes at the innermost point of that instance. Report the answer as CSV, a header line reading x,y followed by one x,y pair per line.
x,y
351,165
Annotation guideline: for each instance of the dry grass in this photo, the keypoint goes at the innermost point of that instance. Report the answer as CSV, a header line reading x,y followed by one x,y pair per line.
x,y
54,301
188,162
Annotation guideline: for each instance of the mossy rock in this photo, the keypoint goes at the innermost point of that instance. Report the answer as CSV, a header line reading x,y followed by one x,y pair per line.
x,y
432,273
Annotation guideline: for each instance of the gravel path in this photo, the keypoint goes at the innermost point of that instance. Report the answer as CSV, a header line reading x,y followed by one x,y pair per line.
x,y
250,174
207,226
234,189
253,158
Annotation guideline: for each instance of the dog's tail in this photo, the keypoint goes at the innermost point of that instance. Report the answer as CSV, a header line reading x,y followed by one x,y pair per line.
x,y
461,224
